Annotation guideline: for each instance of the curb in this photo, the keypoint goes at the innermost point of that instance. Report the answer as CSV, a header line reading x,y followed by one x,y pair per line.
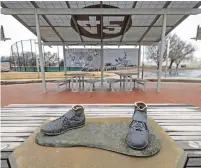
x,y
9,82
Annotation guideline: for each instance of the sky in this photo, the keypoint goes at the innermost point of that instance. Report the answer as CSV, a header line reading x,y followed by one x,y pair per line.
x,y
16,31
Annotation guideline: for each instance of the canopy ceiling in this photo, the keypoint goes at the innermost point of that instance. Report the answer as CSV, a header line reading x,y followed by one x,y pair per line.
x,y
110,29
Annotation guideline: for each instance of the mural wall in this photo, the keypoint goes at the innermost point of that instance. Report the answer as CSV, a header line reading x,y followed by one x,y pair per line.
x,y
90,58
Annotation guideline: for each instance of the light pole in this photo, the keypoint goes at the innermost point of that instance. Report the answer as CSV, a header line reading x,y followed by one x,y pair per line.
x,y
198,35
2,37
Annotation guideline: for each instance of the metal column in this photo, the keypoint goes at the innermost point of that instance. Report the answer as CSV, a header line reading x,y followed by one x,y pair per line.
x,y
142,63
40,51
139,59
64,55
161,52
102,66
58,55
168,50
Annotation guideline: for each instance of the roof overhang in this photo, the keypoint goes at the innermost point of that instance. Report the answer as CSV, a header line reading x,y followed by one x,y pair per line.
x,y
100,11
100,22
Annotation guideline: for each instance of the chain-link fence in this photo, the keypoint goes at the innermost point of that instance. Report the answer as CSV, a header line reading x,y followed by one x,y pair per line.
x,y
25,57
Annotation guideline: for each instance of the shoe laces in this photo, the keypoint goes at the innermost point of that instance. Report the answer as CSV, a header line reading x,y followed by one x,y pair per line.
x,y
65,118
139,126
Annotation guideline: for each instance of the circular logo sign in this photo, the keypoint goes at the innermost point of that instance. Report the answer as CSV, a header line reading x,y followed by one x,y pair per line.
x,y
90,26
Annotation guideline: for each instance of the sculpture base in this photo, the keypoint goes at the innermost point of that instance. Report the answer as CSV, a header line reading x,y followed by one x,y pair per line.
x,y
30,154
106,136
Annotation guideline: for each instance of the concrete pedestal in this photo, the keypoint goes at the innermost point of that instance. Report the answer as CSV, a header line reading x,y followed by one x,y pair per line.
x,y
32,155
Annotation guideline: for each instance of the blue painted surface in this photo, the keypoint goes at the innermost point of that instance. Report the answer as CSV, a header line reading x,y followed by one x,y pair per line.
x,y
5,61
191,73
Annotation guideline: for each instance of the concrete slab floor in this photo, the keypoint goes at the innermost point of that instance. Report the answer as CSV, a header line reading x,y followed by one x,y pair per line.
x,y
188,93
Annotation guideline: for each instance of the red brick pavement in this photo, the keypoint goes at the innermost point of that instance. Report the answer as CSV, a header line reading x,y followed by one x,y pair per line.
x,y
189,93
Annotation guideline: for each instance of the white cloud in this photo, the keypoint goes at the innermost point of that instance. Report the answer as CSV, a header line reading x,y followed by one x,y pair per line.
x,y
14,30
187,30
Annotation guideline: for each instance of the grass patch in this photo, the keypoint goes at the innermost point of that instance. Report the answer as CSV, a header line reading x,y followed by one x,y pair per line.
x,y
48,75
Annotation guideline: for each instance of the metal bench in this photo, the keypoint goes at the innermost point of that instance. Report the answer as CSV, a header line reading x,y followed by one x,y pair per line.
x,y
141,82
92,82
111,82
61,83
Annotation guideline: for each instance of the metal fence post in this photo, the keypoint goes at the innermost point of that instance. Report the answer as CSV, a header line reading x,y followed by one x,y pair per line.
x,y
19,62
32,55
23,57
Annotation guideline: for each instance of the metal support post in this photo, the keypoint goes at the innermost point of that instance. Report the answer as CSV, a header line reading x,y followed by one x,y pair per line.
x,y
58,56
139,59
102,66
143,64
37,63
64,55
167,56
40,51
161,52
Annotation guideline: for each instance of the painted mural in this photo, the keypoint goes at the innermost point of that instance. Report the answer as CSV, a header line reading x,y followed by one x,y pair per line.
x,y
90,58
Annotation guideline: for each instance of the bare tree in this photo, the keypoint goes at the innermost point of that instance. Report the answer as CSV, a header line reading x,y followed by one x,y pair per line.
x,y
5,58
153,52
30,58
179,50
188,55
21,59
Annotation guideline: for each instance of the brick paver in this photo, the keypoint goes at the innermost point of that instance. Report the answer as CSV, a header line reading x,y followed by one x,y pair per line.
x,y
189,93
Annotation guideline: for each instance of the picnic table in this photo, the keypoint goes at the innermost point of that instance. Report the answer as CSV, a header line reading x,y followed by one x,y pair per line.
x,y
79,77
181,121
124,76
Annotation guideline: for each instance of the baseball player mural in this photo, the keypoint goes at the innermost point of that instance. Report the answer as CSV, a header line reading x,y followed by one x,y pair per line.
x,y
83,58
122,61
90,58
